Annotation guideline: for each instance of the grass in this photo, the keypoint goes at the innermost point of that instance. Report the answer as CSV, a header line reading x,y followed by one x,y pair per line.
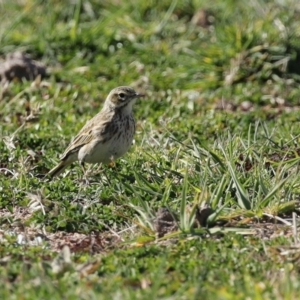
x,y
218,131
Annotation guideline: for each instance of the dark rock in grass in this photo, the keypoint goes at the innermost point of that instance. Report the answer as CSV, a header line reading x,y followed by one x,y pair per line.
x,y
19,66
164,222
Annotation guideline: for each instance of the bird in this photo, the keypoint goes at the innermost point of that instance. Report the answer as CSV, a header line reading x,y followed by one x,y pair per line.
x,y
105,137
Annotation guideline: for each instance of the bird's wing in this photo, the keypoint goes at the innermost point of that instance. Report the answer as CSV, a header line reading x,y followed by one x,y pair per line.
x,y
99,127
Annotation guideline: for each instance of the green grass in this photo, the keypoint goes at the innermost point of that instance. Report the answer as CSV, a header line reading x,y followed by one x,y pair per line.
x,y
196,145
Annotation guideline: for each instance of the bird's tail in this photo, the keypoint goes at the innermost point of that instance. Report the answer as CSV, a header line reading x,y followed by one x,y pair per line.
x,y
58,169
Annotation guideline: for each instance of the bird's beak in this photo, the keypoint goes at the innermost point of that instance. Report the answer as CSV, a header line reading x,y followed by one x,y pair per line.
x,y
139,95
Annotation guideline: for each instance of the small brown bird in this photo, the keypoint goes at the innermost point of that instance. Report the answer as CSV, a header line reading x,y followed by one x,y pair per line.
x,y
105,137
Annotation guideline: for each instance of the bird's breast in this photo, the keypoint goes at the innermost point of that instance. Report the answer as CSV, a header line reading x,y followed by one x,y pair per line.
x,y
116,143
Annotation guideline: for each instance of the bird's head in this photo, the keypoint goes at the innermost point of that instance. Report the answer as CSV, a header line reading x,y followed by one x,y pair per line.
x,y
122,97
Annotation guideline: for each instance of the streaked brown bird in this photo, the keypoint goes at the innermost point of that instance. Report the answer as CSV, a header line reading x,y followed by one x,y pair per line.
x,y
105,137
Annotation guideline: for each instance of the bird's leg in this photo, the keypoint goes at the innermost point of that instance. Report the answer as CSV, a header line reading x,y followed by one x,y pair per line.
x,y
111,164
85,173
104,173
101,170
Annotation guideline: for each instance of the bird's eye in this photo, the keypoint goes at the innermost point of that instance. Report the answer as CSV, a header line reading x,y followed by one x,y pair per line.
x,y
122,96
